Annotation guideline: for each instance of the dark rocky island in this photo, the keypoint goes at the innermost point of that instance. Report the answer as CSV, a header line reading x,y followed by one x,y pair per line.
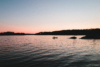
x,y
73,37
55,37
91,36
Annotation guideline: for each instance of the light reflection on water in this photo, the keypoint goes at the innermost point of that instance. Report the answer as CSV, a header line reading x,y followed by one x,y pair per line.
x,y
43,51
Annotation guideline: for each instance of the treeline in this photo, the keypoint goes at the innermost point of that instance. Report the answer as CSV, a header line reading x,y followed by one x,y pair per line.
x,y
72,32
11,33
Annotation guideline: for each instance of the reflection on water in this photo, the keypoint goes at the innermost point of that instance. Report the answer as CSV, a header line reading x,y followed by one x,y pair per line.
x,y
43,51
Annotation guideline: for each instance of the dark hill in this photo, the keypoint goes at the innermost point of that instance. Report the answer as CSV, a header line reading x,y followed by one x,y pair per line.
x,y
72,32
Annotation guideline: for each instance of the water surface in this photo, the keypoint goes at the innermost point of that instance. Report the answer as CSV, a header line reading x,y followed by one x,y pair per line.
x,y
43,51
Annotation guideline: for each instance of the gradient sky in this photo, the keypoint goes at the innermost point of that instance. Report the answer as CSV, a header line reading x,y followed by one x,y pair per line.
x,y
31,16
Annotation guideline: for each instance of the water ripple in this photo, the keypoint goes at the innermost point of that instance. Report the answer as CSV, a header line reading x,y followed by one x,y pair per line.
x,y
43,51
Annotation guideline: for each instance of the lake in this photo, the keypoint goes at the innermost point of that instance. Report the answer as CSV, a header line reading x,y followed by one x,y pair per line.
x,y
44,51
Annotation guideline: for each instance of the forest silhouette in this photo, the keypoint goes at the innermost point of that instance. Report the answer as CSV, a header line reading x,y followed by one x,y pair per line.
x,y
12,33
72,32
90,33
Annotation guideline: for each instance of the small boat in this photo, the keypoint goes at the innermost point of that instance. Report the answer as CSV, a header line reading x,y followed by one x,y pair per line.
x,y
55,37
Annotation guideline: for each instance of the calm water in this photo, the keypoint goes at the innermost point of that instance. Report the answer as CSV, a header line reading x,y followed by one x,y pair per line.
x,y
43,51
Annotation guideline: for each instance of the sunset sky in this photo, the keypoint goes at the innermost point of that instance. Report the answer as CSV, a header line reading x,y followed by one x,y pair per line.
x,y
32,16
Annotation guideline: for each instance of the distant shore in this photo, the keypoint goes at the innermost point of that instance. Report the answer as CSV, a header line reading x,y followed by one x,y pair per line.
x,y
72,32
90,33
12,33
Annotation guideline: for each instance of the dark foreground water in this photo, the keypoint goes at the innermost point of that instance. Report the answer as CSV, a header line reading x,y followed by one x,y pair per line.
x,y
43,51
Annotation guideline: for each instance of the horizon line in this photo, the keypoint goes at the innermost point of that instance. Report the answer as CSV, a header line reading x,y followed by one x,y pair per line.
x,y
51,31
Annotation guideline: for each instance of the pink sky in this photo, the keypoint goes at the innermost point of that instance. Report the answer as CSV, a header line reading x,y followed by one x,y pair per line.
x,y
32,16
5,28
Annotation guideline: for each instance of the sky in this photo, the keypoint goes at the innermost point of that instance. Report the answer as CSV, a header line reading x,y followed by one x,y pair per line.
x,y
32,16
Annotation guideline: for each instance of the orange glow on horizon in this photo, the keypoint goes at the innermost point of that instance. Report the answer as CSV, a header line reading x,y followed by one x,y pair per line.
x,y
5,28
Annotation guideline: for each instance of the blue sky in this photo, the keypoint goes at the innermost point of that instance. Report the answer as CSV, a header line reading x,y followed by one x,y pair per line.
x,y
33,16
